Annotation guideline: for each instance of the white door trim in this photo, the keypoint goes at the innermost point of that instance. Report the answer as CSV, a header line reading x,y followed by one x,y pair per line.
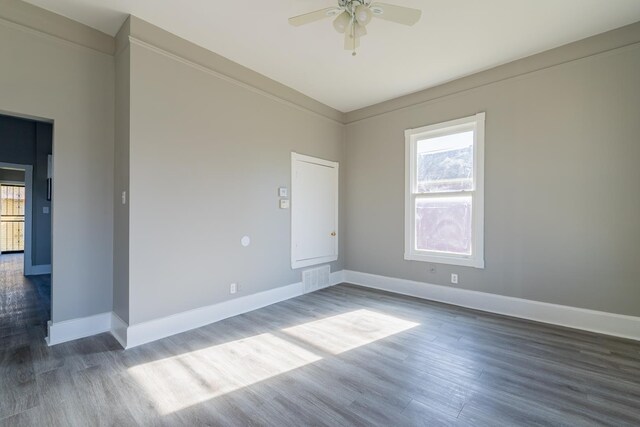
x,y
28,214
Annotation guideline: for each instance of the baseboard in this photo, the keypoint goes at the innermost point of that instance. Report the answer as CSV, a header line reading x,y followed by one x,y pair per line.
x,y
335,279
119,329
74,329
135,335
34,270
156,329
577,318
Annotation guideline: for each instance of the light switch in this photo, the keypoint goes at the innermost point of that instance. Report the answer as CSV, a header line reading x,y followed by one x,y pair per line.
x,y
284,204
45,209
283,192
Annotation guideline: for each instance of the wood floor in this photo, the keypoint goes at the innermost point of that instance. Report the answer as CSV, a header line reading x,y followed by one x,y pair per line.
x,y
341,356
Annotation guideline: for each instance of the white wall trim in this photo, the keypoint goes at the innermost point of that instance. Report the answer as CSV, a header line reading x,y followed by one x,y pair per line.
x,y
74,329
119,329
229,79
76,43
618,325
336,278
156,329
135,335
586,49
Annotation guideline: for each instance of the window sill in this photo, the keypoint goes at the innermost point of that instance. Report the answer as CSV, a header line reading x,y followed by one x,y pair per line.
x,y
451,260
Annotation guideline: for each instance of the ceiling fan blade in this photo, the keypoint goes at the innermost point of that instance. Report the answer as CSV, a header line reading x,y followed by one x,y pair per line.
x,y
308,18
399,14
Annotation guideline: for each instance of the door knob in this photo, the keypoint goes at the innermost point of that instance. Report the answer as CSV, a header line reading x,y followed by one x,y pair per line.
x,y
333,233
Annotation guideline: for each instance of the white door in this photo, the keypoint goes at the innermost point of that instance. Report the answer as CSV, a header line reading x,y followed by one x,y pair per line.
x,y
314,211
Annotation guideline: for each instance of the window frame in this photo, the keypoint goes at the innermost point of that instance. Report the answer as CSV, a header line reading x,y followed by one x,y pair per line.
x,y
476,259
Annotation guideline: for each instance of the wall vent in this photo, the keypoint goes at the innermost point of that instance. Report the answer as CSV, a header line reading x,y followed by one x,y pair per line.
x,y
316,278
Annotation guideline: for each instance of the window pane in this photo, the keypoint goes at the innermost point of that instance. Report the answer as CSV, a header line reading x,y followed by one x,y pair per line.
x,y
444,224
445,163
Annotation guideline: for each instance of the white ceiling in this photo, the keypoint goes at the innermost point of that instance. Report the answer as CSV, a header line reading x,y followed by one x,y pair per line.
x,y
454,38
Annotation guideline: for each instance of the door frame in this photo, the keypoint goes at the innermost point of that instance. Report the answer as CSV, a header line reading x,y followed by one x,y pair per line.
x,y
295,158
28,206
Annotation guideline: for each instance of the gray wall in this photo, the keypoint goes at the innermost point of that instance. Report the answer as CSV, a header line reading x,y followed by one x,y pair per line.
x,y
207,156
72,85
28,142
121,183
561,177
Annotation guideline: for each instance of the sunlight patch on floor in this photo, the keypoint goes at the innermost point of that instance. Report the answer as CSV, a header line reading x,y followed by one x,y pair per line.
x,y
181,381
177,382
350,330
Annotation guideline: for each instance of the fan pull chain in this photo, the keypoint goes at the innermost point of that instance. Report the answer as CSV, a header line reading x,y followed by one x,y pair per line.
x,y
353,35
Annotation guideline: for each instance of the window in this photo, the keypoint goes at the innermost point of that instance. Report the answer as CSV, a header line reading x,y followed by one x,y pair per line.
x,y
444,193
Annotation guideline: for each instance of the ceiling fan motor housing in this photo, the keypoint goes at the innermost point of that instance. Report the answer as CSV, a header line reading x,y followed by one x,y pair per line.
x,y
351,5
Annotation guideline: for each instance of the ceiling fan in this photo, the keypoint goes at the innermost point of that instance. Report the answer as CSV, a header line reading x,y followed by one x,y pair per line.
x,y
352,17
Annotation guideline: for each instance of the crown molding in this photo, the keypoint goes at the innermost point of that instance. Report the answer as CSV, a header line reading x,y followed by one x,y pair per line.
x,y
51,24
599,44
38,20
139,32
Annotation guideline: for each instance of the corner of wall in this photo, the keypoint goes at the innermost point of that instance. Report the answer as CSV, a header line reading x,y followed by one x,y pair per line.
x,y
121,155
122,37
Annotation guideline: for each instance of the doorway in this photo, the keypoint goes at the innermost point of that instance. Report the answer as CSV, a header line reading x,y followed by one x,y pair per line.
x,y
25,225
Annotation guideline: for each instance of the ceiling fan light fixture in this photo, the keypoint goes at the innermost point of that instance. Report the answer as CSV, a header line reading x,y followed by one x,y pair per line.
x,y
363,14
342,22
359,30
352,17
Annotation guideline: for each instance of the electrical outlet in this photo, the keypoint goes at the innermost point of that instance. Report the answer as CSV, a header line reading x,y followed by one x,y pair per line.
x,y
233,288
454,278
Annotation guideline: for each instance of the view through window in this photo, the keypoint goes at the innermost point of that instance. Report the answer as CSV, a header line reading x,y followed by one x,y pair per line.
x,y
444,192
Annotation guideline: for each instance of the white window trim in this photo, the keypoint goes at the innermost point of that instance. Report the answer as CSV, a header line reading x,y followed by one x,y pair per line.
x,y
476,259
